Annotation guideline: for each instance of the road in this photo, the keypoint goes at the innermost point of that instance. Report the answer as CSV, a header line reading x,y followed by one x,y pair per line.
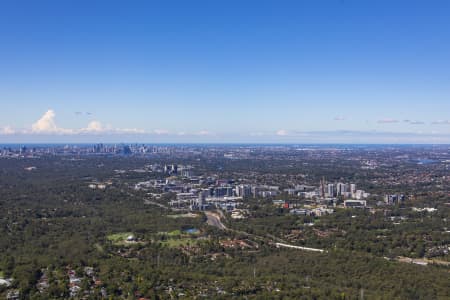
x,y
214,220
278,245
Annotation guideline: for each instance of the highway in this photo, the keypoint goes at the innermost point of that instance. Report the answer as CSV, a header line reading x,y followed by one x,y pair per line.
x,y
214,220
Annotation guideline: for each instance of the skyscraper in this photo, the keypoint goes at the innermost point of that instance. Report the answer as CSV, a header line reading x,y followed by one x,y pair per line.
x,y
331,190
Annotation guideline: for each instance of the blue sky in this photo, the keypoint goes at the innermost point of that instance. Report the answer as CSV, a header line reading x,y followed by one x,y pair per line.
x,y
225,71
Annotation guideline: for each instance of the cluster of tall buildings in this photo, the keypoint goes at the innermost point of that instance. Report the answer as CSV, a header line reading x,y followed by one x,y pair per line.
x,y
243,191
394,199
345,190
178,170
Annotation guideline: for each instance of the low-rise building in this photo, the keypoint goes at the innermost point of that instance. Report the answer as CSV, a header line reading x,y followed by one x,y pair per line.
x,y
355,203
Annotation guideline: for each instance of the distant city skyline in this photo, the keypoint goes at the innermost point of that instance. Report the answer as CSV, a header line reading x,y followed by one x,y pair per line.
x,y
247,72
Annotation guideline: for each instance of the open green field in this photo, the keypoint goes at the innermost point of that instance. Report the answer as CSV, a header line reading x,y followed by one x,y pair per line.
x,y
118,238
177,238
175,243
173,233
178,233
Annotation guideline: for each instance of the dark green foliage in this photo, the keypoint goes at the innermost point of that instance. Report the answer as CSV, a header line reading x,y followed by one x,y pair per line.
x,y
51,221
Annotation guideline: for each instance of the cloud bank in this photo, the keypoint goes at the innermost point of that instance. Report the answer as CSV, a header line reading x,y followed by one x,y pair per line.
x,y
47,129
47,125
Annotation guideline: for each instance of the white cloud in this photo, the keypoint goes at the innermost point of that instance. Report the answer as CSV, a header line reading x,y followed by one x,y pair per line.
x,y
282,132
46,124
387,121
204,132
130,130
94,126
339,118
161,131
414,122
7,130
441,122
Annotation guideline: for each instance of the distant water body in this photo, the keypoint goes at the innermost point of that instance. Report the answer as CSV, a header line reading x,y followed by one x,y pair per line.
x,y
426,161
